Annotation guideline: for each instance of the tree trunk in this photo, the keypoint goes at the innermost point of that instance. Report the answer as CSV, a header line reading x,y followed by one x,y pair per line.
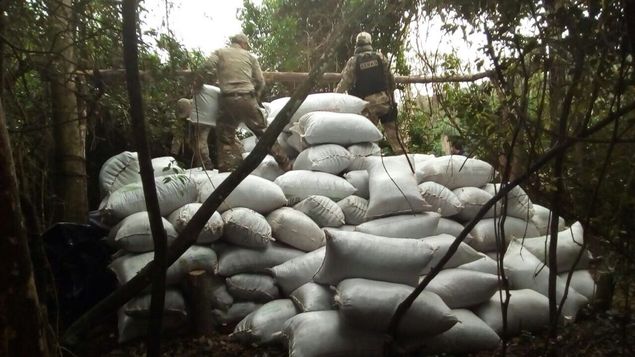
x,y
68,130
199,292
22,327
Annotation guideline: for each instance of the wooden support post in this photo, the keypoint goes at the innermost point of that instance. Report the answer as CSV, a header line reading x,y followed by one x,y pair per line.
x,y
199,289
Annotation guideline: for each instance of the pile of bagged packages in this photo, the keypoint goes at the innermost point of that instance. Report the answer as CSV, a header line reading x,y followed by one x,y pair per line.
x,y
319,258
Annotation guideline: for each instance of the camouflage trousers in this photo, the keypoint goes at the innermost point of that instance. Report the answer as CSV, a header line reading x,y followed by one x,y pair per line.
x,y
379,110
235,110
198,143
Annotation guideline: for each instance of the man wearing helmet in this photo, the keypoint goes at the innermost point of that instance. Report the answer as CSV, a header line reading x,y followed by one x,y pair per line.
x,y
367,75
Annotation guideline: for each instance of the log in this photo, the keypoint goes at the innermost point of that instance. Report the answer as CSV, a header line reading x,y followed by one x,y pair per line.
x,y
199,290
297,77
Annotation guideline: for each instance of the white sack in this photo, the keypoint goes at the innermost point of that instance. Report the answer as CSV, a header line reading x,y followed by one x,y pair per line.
x,y
173,191
359,180
194,258
257,193
441,243
212,230
393,188
296,229
235,313
205,106
473,199
268,169
484,232
405,226
264,325
359,255
452,228
300,184
337,128
134,234
484,264
582,282
542,217
354,209
528,310
469,335
327,102
370,305
528,272
328,158
220,298
441,199
247,228
123,169
569,246
454,171
323,333
234,260
295,272
174,304
322,210
518,203
460,288
360,152
313,297
130,328
252,287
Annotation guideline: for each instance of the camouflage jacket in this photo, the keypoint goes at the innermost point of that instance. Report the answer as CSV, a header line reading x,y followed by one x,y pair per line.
x,y
236,70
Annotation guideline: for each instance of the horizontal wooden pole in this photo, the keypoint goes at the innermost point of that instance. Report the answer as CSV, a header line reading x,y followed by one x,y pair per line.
x,y
299,77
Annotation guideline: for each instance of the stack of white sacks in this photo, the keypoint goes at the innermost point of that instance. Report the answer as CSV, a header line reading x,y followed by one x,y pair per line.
x,y
332,247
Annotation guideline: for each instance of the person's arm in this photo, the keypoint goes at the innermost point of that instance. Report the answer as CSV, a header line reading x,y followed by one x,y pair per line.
x,y
205,73
348,77
257,77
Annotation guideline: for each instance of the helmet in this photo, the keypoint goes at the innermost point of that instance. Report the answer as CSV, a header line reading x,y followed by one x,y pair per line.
x,y
183,108
363,38
240,38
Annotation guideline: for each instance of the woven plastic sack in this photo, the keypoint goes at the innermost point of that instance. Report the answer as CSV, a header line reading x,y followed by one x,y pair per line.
x,y
484,232
393,188
173,191
235,260
359,255
296,229
235,313
354,209
528,310
322,210
360,152
205,106
441,199
460,288
300,184
329,158
257,193
247,228
370,305
324,333
265,324
337,128
298,271
268,169
473,199
518,203
212,230
359,180
134,234
454,171
404,226
313,297
582,282
441,244
542,217
252,287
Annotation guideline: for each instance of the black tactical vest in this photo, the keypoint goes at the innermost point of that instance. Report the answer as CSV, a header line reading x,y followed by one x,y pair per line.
x,y
370,77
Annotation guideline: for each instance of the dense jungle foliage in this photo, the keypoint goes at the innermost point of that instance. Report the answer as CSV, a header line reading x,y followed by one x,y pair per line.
x,y
559,68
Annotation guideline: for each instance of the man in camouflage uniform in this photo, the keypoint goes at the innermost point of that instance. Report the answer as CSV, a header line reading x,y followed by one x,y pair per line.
x,y
367,75
197,134
241,83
